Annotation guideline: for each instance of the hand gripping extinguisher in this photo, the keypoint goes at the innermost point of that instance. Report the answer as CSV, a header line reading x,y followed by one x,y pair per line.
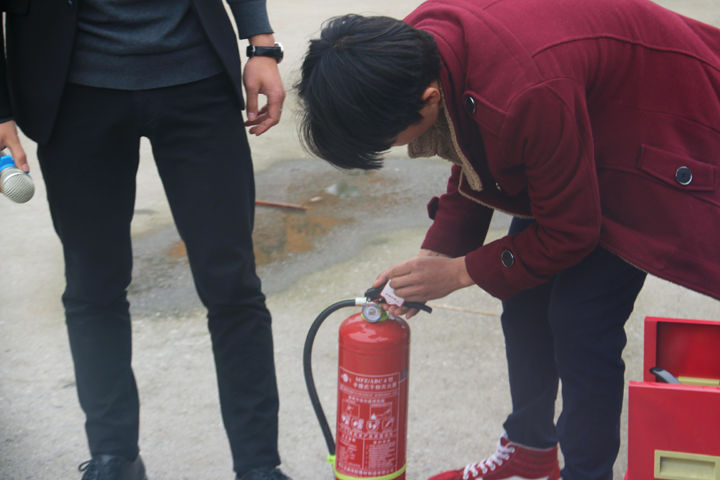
x,y
372,398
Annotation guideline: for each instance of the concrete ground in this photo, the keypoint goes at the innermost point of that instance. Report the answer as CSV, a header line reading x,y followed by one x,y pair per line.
x,y
356,225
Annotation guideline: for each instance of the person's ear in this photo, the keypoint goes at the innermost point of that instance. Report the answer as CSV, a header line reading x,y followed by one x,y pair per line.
x,y
431,95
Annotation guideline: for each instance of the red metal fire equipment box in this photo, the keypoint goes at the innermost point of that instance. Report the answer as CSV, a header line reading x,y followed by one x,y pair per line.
x,y
674,430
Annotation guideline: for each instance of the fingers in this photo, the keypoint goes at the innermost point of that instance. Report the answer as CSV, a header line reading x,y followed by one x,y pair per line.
x,y
396,272
263,78
381,279
393,273
276,98
261,116
400,311
426,276
411,313
411,293
395,310
9,139
252,101
400,276
404,278
18,155
273,110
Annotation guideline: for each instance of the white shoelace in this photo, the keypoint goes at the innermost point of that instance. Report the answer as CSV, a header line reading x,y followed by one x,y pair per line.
x,y
490,463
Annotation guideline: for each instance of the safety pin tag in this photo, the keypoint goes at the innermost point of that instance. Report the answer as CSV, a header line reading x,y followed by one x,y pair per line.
x,y
390,297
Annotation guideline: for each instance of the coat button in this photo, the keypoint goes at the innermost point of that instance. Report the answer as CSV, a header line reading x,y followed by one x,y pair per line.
x,y
683,176
508,259
470,105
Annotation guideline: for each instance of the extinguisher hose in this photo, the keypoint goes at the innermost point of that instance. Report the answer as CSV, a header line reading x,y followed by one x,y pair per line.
x,y
307,368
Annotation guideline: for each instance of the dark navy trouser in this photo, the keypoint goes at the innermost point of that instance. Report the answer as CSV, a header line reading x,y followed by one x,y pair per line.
x,y
201,151
571,328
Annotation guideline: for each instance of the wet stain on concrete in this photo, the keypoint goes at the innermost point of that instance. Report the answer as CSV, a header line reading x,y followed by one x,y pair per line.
x,y
178,252
295,233
342,209
332,199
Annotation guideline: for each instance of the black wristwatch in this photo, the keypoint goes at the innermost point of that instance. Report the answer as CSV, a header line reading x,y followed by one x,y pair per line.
x,y
275,52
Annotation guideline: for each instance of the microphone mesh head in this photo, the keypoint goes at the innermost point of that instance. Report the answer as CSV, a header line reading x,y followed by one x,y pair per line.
x,y
16,185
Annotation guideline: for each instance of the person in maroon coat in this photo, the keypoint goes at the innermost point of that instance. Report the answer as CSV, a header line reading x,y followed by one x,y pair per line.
x,y
596,124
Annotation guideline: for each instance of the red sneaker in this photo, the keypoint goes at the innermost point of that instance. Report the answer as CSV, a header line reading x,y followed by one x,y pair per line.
x,y
510,462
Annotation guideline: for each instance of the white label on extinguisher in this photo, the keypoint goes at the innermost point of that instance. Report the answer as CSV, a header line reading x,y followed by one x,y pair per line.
x,y
367,434
390,297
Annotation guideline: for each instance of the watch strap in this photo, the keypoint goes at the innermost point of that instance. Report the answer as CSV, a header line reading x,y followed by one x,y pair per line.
x,y
275,52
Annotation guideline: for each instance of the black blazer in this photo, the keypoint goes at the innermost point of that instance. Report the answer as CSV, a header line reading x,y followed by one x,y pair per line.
x,y
40,35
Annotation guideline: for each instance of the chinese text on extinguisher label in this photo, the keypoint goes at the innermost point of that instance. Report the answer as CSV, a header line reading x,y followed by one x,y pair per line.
x,y
368,428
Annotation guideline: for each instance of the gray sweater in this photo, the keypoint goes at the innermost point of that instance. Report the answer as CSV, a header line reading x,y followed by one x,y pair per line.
x,y
142,44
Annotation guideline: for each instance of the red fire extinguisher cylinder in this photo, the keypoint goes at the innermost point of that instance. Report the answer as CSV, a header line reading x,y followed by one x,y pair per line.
x,y
372,406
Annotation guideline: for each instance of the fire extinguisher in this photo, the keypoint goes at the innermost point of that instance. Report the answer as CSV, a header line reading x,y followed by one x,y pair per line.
x,y
372,398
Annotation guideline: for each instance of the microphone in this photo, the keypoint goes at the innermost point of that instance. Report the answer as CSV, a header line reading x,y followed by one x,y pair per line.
x,y
15,184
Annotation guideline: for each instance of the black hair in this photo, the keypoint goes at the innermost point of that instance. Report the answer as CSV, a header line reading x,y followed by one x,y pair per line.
x,y
362,84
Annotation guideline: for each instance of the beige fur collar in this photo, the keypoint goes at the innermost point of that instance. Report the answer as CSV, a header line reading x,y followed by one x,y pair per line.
x,y
440,140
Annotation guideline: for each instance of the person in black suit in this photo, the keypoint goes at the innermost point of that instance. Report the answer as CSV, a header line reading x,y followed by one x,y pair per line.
x,y
86,79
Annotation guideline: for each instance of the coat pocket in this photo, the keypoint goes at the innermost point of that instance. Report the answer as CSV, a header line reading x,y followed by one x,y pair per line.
x,y
679,171
17,7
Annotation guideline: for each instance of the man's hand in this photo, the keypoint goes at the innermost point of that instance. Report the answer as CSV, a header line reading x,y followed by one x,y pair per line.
x,y
426,276
262,76
9,139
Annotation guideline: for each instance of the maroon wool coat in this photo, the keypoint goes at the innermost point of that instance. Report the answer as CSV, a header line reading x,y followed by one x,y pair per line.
x,y
599,118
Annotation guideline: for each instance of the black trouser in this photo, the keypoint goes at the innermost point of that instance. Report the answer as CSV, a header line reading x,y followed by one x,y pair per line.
x,y
571,328
201,151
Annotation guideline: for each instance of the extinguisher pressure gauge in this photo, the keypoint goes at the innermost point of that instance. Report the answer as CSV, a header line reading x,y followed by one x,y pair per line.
x,y
373,313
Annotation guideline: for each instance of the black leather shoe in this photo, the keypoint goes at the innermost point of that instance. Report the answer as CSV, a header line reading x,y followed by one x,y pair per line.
x,y
264,474
110,467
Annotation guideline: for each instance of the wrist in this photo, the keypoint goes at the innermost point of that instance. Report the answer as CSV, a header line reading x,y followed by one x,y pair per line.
x,y
262,40
463,277
258,48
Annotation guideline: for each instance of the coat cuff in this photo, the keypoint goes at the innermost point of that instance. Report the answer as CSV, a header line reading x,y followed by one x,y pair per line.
x,y
492,269
251,17
457,233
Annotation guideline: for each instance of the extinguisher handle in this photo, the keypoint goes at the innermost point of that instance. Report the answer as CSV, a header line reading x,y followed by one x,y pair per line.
x,y
418,305
374,295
